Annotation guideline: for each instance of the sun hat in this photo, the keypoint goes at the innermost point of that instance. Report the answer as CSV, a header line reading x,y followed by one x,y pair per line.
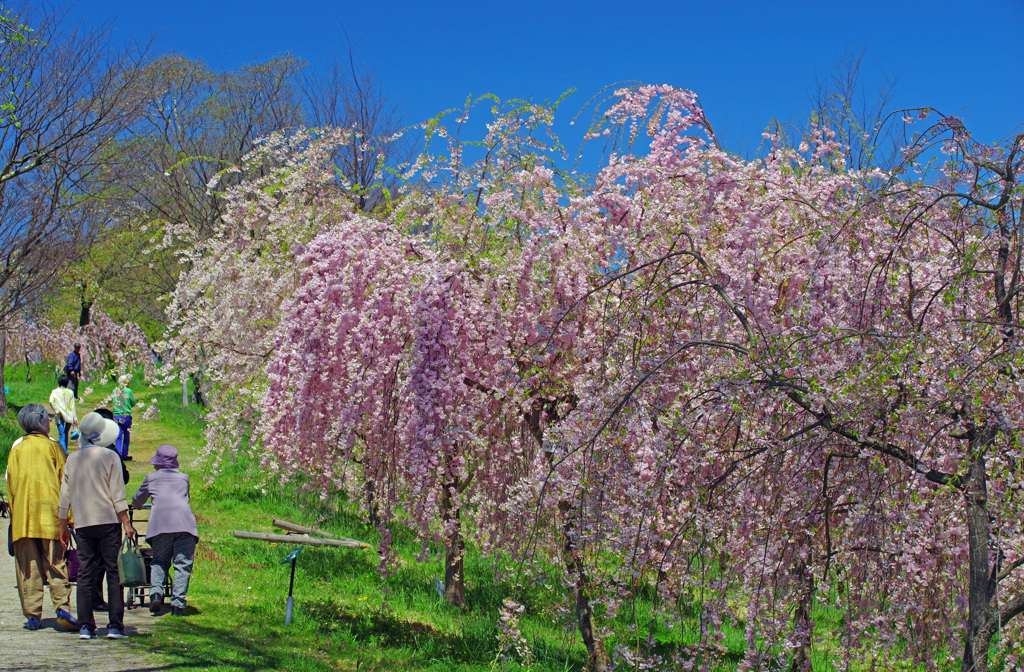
x,y
97,430
166,457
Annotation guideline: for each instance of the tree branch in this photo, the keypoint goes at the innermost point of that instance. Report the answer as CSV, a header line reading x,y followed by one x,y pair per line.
x,y
1011,609
871,443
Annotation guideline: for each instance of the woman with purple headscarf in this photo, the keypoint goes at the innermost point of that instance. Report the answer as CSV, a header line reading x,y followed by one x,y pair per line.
x,y
172,529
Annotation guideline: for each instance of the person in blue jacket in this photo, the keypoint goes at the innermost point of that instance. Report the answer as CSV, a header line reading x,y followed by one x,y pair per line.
x,y
74,368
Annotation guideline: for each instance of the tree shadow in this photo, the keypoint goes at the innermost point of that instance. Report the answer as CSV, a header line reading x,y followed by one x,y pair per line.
x,y
233,652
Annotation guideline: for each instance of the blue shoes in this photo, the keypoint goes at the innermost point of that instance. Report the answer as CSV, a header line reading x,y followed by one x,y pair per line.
x,y
86,633
66,620
32,623
116,633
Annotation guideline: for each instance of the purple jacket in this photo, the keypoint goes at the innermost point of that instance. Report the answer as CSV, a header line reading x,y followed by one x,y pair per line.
x,y
171,511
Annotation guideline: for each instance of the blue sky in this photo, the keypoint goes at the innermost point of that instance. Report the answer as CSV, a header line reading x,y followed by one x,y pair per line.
x,y
749,62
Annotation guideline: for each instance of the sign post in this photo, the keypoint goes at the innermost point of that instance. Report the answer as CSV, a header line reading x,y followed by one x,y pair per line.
x,y
291,584
291,539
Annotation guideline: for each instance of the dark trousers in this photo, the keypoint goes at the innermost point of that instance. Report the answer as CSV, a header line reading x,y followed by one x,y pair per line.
x,y
73,385
98,547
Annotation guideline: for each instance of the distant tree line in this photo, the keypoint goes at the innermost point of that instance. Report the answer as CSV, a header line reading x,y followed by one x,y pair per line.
x,y
106,147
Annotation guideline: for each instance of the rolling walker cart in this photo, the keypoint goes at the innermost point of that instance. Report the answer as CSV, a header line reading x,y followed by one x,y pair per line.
x,y
138,596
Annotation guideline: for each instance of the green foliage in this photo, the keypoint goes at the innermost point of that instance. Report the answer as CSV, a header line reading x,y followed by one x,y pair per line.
x,y
123,275
9,433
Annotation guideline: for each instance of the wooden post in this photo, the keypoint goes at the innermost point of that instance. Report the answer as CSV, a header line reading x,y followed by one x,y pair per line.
x,y
301,539
285,525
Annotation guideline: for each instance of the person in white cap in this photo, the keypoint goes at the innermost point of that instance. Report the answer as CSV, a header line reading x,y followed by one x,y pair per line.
x,y
94,489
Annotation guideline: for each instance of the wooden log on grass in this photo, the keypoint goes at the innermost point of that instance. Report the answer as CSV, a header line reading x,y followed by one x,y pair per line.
x,y
294,527
302,539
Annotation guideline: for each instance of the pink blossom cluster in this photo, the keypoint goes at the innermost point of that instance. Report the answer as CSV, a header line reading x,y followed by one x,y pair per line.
x,y
109,349
760,388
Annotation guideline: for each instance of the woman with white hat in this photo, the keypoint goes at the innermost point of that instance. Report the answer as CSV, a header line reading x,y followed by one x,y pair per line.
x,y
172,531
94,489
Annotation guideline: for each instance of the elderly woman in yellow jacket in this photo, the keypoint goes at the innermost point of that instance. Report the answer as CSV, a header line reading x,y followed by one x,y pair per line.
x,y
34,471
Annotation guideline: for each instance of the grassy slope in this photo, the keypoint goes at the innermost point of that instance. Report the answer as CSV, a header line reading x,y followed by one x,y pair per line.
x,y
347,617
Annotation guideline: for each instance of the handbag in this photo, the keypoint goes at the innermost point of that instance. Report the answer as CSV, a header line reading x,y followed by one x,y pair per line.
x,y
71,558
130,566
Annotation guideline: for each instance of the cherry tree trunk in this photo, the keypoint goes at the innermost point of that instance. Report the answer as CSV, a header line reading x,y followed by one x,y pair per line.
x,y
372,508
454,585
85,315
981,583
454,550
3,363
597,657
199,379
197,388
802,620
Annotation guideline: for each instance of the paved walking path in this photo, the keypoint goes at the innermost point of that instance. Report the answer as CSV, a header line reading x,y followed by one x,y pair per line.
x,y
51,648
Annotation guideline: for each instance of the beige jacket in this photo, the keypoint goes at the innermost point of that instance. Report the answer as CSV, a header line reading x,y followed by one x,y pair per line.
x,y
93,487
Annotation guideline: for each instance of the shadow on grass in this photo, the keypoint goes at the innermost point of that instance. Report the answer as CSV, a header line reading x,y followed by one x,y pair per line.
x,y
383,628
419,644
211,647
173,666
375,640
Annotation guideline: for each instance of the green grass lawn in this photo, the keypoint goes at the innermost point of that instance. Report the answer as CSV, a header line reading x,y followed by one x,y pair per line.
x,y
347,617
